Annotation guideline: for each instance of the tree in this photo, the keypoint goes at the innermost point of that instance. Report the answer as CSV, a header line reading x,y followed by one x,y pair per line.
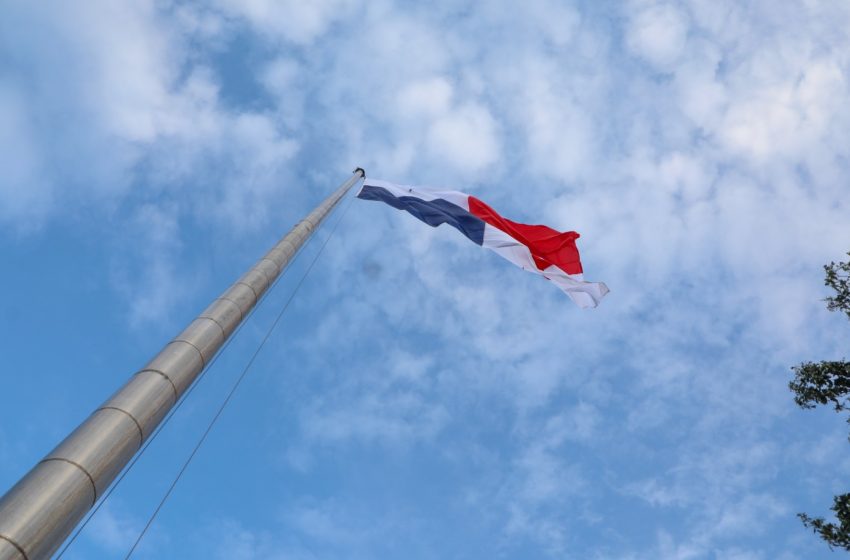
x,y
829,383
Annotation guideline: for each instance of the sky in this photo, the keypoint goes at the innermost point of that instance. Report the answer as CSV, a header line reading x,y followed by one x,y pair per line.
x,y
421,398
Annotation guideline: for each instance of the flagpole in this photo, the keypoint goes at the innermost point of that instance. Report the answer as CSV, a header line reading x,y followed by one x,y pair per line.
x,y
41,510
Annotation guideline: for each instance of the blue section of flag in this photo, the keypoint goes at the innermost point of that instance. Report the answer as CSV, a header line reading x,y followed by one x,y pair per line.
x,y
432,212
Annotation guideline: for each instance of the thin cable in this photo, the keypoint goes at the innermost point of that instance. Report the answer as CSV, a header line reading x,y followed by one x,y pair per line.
x,y
176,407
167,418
236,385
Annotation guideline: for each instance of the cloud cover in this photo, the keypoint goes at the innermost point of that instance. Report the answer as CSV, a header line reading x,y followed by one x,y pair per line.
x,y
699,147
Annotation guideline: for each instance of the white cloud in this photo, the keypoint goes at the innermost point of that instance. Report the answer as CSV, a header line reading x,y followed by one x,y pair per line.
x,y
280,76
299,22
702,94
555,21
465,138
156,285
113,107
229,539
395,411
395,419
133,66
545,482
25,195
113,530
750,515
788,117
668,549
560,142
130,78
658,33
429,98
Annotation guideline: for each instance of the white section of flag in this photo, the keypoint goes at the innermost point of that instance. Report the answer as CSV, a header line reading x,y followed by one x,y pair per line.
x,y
584,294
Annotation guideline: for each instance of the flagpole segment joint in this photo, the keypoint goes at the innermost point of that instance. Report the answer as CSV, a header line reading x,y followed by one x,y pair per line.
x,y
42,509
11,549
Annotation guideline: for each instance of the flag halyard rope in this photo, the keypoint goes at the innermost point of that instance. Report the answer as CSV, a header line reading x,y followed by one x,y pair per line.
x,y
238,382
194,385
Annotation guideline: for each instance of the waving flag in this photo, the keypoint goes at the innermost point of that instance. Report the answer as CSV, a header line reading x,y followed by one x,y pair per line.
x,y
539,249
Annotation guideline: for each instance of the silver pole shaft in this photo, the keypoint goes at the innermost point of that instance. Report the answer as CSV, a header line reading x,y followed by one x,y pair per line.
x,y
41,510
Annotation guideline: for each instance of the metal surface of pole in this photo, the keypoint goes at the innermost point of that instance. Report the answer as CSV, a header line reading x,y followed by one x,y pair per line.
x,y
41,510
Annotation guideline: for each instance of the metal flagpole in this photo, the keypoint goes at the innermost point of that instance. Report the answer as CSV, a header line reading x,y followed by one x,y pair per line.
x,y
41,510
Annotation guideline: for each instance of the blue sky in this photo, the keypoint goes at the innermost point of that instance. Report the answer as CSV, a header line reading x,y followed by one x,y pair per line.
x,y
422,398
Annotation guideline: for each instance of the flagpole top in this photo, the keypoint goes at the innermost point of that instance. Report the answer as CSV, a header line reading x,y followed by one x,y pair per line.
x,y
361,171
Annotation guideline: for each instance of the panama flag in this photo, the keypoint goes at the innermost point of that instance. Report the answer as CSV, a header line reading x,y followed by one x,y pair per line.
x,y
538,249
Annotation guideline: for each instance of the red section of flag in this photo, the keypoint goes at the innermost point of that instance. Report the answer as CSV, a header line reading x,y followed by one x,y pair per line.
x,y
547,245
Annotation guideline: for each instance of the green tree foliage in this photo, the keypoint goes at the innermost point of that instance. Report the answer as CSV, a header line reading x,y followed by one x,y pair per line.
x,y
829,383
838,278
835,535
822,383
